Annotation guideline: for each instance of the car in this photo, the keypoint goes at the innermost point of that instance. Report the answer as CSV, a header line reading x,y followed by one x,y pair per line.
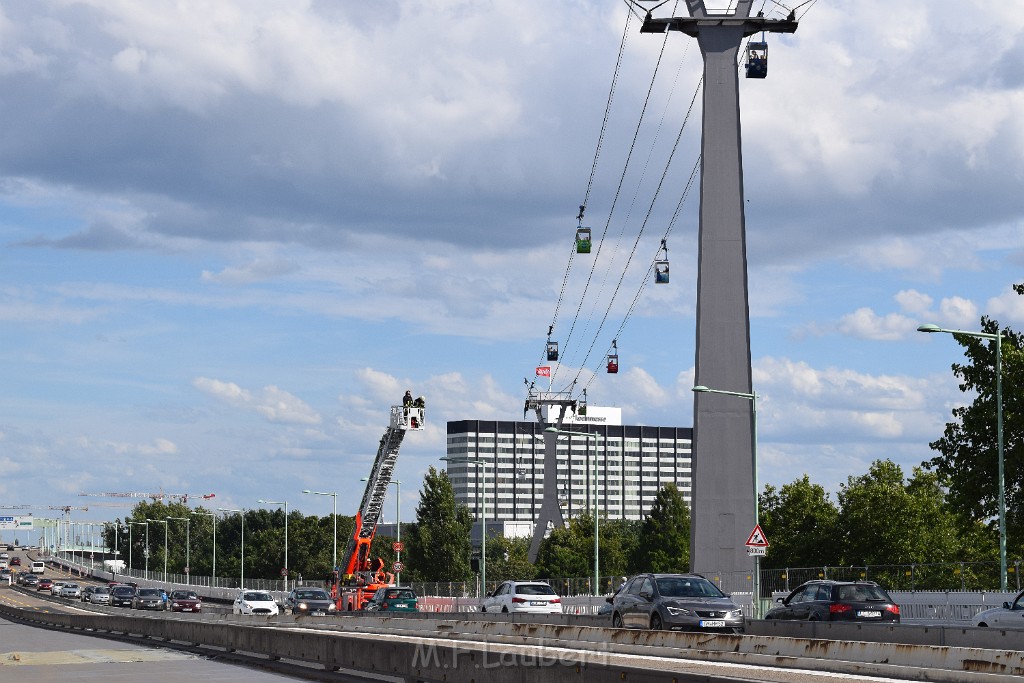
x,y
44,585
255,602
535,597
55,586
1009,616
122,596
150,598
827,600
678,602
69,590
31,580
97,595
185,601
312,601
392,599
15,561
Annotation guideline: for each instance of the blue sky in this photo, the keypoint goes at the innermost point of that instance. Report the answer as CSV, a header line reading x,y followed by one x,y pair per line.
x,y
231,238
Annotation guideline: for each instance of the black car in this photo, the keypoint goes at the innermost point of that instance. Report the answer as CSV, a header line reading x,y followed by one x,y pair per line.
x,y
149,598
826,600
687,602
122,596
312,601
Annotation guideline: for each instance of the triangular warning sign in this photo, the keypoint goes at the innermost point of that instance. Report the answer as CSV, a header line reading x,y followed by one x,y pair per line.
x,y
757,538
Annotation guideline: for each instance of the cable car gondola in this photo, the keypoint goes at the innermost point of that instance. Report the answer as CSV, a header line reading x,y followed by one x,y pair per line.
x,y
551,348
582,240
581,405
757,60
613,359
661,265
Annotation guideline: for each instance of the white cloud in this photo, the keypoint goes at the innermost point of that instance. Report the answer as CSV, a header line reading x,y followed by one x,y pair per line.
x,y
913,302
274,404
864,323
959,312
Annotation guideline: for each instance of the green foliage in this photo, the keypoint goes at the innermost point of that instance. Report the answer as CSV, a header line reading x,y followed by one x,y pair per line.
x,y
800,522
508,559
664,538
439,542
968,450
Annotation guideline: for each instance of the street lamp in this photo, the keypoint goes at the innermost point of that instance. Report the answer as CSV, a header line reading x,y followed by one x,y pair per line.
x,y
597,543
483,513
213,570
241,578
285,503
166,525
188,546
145,552
999,435
752,397
398,524
335,496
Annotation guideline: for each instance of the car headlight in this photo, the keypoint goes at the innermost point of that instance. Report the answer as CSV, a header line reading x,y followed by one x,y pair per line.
x,y
303,605
735,614
332,607
679,611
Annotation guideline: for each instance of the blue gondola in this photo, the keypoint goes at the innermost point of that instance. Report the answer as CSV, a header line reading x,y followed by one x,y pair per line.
x,y
661,265
582,240
757,60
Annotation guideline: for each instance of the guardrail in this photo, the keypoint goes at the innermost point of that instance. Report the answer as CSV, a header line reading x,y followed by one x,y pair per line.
x,y
428,646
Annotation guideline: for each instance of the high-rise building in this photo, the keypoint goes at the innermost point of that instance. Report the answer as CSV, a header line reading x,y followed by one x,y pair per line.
x,y
633,463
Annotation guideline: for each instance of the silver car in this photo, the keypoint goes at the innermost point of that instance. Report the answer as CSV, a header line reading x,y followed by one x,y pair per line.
x,y
680,602
69,590
1010,615
100,595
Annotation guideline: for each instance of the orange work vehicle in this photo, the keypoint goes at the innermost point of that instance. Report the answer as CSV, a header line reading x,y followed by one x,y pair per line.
x,y
358,576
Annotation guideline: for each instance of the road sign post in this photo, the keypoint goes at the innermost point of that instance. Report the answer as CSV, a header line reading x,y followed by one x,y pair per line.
x,y
757,547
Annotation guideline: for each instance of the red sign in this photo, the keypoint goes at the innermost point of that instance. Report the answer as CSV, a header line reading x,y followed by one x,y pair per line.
x,y
284,571
397,567
757,538
544,371
398,546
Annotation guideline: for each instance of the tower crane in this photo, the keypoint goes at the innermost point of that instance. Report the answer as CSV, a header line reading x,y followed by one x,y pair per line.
x,y
183,497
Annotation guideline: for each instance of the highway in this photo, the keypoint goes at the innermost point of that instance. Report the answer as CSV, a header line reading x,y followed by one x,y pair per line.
x,y
454,648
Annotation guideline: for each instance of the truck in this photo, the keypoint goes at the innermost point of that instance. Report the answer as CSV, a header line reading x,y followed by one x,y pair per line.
x,y
358,576
115,566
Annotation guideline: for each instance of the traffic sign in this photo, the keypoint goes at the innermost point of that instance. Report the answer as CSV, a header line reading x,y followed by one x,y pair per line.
x,y
757,538
398,546
397,567
284,571
757,550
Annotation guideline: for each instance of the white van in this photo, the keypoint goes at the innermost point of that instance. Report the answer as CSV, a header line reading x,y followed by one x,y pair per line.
x,y
38,567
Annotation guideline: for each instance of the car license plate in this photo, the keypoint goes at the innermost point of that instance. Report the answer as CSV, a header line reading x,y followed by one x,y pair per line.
x,y
186,609
538,603
869,614
716,623
318,613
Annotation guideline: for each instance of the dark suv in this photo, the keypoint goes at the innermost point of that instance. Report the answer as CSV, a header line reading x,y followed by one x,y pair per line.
x,y
122,596
837,601
687,602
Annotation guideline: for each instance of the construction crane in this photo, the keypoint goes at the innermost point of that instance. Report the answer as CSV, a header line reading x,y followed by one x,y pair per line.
x,y
183,497
360,577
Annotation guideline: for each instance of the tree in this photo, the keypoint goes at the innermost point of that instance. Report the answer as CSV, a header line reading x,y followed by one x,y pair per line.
x,y
664,538
967,462
439,542
508,559
801,523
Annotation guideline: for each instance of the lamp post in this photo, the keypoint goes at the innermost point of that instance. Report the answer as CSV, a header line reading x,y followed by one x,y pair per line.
x,y
166,525
752,397
398,523
213,520
145,551
188,546
335,496
241,577
483,514
285,503
999,435
597,542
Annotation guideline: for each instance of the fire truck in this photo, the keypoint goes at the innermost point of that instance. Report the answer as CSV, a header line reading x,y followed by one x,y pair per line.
x,y
359,576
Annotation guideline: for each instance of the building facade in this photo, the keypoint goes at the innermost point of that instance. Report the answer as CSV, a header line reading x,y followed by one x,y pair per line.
x,y
633,462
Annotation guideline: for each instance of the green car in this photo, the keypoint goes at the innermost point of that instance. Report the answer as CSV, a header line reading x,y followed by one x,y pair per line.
x,y
392,599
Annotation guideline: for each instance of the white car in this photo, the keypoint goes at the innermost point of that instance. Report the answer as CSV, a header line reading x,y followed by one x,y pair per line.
x,y
56,586
532,597
68,590
255,602
1010,615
